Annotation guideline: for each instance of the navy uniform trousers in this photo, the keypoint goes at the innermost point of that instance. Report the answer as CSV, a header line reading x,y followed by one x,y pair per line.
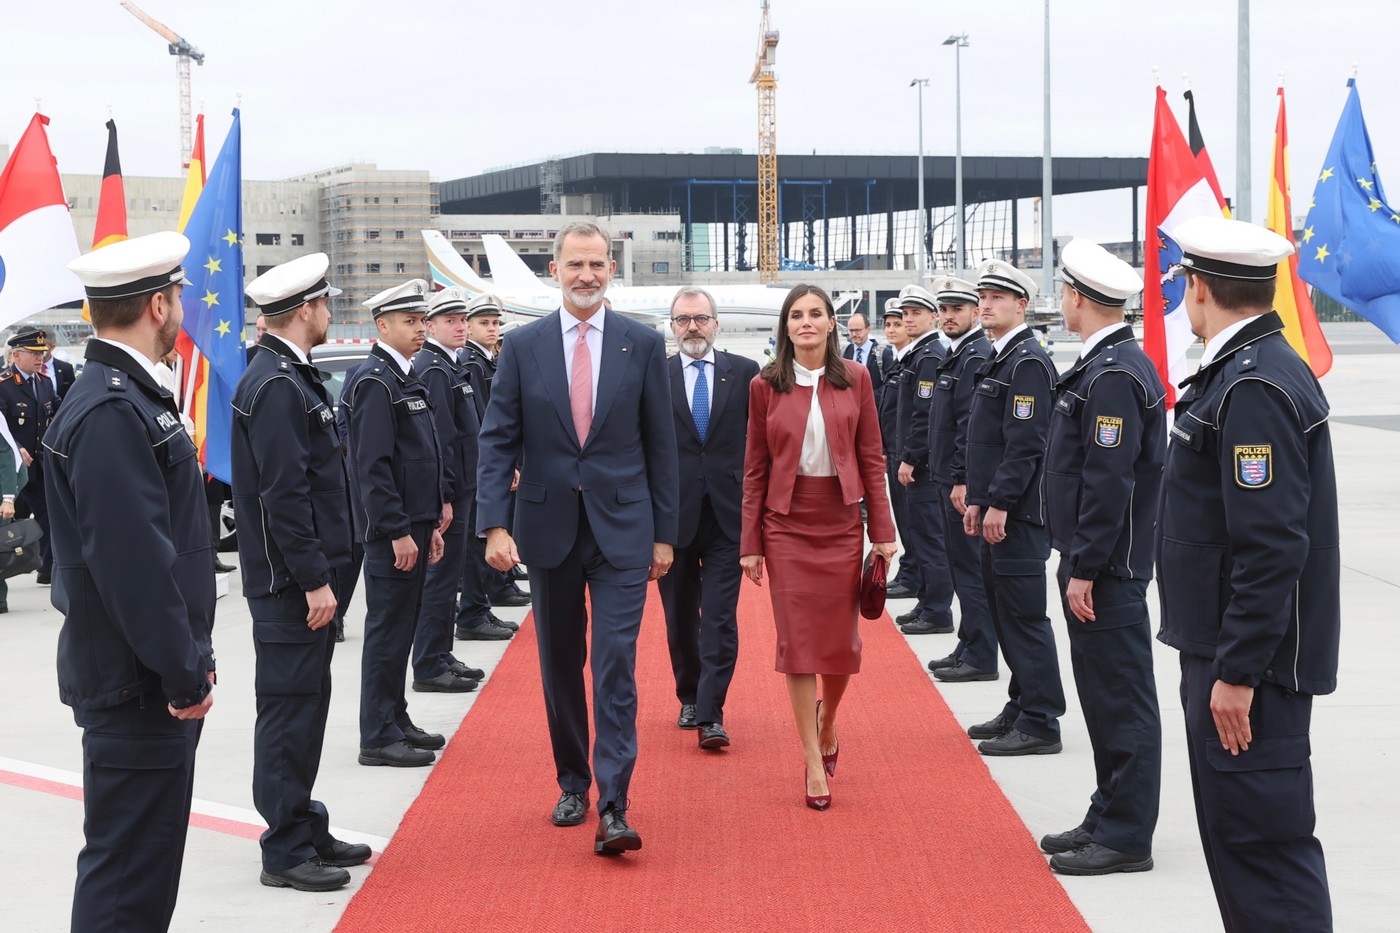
x,y
293,685
1112,661
701,595
432,639
908,574
474,608
977,640
924,516
1265,863
1013,572
561,620
392,600
138,782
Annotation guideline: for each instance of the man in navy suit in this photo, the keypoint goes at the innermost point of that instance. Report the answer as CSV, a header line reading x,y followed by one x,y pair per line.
x,y
582,401
864,349
710,399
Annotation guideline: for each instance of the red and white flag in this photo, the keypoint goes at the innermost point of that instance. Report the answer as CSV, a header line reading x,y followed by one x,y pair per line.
x,y
1177,190
36,232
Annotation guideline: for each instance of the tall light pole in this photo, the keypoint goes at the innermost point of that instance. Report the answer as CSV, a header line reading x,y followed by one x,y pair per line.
x,y
1243,179
919,258
1047,231
959,42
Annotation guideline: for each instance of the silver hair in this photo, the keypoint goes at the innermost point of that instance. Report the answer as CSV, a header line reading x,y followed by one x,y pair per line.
x,y
579,228
689,291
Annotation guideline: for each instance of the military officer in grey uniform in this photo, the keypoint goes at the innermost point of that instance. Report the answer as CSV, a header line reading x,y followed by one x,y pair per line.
x,y
1248,567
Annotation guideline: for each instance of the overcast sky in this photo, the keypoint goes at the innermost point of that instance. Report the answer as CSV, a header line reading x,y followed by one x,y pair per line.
x,y
456,87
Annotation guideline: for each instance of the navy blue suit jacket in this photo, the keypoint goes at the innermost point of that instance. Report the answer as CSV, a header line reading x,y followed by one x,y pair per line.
x,y
717,464
626,468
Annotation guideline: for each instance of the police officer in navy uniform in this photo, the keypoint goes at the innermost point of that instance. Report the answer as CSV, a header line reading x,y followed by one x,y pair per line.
x,y
906,580
1006,432
933,613
975,657
475,619
435,668
400,508
1248,572
135,587
1103,481
28,402
292,508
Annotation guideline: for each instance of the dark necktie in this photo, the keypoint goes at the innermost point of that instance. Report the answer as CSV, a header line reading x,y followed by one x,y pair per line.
x,y
700,405
860,353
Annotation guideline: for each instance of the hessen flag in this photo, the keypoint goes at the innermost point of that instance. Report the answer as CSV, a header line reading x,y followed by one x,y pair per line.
x,y
36,232
1177,190
213,300
1291,299
1350,247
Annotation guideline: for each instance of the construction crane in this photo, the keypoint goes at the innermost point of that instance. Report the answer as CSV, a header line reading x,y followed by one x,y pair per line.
x,y
184,52
767,82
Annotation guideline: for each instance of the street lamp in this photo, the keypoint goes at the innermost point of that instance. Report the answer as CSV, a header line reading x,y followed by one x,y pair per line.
x,y
959,42
919,258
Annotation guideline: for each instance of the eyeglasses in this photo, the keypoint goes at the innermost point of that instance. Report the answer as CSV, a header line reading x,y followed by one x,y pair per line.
x,y
685,320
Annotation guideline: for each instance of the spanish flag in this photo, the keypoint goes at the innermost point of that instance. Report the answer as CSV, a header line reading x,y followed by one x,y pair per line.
x,y
111,202
1291,298
192,375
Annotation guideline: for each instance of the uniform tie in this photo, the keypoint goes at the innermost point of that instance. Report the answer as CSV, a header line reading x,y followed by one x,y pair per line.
x,y
581,386
700,404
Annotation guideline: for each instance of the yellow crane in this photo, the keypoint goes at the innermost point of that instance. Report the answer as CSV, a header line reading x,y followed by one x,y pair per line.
x,y
767,82
184,52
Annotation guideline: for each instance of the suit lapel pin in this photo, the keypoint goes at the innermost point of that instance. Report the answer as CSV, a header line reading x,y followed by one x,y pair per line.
x,y
624,349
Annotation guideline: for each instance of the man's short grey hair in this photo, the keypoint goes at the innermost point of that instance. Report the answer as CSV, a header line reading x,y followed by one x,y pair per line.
x,y
694,291
579,228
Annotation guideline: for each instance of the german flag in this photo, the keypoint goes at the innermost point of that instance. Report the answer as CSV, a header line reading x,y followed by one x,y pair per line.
x,y
1198,149
111,203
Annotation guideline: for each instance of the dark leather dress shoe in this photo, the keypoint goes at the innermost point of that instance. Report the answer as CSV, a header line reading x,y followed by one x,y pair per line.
x,y
446,682
221,567
908,618
43,579
4,607
925,627
503,623
962,672
1095,859
992,728
571,810
899,591
614,835
415,737
310,875
1067,841
512,598
344,854
686,720
397,755
1017,742
938,664
339,632
712,735
461,670
486,631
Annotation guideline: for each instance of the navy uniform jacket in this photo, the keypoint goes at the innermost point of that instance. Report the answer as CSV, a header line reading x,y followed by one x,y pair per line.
x,y
1006,429
953,386
915,393
133,559
1248,562
29,405
458,422
1103,460
715,467
290,497
626,467
481,369
396,477
888,405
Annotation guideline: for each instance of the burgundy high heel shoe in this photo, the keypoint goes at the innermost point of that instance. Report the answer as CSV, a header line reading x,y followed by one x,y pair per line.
x,y
828,761
821,802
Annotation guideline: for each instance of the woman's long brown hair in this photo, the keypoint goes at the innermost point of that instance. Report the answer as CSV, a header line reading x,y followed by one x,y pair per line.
x,y
779,372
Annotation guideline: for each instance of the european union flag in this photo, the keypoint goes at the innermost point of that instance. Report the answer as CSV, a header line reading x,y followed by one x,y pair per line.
x,y
1350,247
213,301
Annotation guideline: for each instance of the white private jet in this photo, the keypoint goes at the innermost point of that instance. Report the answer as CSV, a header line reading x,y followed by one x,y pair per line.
x,y
527,296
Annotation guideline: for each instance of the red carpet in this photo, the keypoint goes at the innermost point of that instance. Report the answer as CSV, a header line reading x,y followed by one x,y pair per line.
x,y
919,836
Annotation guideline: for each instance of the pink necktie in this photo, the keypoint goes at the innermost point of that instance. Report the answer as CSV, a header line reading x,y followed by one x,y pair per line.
x,y
581,386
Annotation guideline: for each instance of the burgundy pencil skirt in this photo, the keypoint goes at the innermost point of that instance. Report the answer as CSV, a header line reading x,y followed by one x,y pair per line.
x,y
813,559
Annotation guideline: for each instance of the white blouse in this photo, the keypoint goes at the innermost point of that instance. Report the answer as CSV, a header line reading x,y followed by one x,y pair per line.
x,y
816,453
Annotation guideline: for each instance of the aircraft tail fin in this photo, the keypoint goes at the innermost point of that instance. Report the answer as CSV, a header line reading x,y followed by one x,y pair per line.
x,y
508,270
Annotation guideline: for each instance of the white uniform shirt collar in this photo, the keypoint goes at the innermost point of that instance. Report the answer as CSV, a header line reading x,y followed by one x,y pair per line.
x,y
448,351
972,334
397,357
1096,338
489,354
999,345
1217,343
138,356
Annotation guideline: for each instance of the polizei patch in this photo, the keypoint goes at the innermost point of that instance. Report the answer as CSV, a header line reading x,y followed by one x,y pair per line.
x,y
1023,407
1254,465
926,390
1108,432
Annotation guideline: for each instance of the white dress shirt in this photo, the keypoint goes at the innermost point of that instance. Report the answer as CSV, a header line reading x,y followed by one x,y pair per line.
x,y
972,334
594,339
151,368
999,345
691,372
1219,340
816,452
1096,338
397,357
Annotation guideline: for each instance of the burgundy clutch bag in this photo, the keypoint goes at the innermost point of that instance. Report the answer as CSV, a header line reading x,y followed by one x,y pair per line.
x,y
872,586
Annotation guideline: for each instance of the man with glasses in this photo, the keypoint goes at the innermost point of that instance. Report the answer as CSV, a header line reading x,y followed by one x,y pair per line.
x,y
865,349
28,401
710,402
